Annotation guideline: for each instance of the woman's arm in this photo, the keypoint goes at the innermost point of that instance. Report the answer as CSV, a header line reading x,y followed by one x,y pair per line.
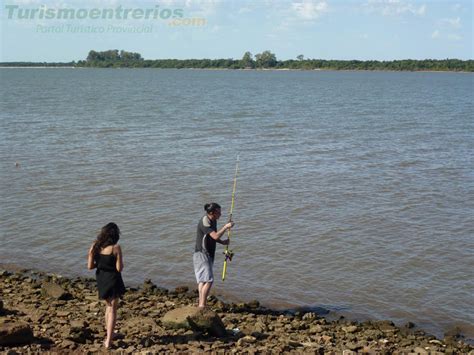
x,y
90,259
118,253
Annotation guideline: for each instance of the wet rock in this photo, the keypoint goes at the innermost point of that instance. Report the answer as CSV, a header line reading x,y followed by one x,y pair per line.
x,y
15,333
55,291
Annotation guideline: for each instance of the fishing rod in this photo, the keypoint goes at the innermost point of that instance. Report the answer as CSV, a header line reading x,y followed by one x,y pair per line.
x,y
228,254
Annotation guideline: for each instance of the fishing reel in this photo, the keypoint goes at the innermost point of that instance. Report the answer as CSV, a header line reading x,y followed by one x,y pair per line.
x,y
228,254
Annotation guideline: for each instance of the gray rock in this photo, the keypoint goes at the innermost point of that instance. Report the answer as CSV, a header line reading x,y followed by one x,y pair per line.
x,y
15,333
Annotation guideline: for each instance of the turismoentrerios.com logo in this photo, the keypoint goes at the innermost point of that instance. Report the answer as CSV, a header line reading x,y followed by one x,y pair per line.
x,y
17,12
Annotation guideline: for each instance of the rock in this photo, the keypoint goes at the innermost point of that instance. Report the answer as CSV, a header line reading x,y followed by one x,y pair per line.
x,y
15,333
259,327
248,339
386,326
79,332
178,318
148,286
350,329
253,304
294,344
1,306
309,316
420,351
314,329
326,338
181,289
55,291
353,346
207,320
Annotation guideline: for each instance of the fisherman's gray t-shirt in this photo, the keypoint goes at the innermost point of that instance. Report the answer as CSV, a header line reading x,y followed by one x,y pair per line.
x,y
206,226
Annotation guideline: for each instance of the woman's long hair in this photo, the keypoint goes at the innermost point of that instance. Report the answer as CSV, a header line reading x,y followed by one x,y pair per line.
x,y
109,235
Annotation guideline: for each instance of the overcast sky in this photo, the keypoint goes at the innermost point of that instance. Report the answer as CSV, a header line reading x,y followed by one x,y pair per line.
x,y
365,29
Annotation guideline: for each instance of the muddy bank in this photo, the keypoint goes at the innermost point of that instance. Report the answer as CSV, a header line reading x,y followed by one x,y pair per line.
x,y
46,312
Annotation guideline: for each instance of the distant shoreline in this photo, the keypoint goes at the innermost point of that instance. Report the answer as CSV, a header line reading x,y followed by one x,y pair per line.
x,y
246,69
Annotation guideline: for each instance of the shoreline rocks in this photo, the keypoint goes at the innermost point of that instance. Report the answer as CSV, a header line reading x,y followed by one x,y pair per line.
x,y
45,312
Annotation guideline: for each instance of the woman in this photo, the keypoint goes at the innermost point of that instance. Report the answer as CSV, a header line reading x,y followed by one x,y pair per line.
x,y
106,255
206,239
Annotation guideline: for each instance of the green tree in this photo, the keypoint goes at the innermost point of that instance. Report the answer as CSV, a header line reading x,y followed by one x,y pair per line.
x,y
247,61
266,59
300,57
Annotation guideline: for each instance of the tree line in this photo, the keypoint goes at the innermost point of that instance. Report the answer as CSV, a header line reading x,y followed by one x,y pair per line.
x,y
268,60
265,60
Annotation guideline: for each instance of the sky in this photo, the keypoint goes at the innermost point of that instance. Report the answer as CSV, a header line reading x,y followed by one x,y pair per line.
x,y
66,30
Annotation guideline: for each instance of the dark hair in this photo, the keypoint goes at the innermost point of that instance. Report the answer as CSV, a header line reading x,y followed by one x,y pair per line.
x,y
211,207
109,235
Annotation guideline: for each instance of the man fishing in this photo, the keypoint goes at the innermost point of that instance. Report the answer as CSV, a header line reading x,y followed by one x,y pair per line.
x,y
206,238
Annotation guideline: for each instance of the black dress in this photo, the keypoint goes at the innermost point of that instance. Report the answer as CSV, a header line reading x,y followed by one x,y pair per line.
x,y
109,280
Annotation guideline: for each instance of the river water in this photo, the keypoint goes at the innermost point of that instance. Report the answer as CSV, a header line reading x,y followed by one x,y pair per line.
x,y
355,191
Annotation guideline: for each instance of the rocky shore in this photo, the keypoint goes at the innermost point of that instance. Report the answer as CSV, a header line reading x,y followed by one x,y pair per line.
x,y
42,312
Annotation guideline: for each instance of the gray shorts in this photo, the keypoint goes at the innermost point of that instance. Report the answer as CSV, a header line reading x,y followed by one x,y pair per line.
x,y
203,267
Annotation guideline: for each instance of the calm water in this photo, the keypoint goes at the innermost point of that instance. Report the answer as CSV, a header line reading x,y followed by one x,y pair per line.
x,y
356,189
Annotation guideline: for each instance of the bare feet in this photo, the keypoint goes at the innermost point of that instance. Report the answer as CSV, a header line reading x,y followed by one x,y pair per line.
x,y
107,344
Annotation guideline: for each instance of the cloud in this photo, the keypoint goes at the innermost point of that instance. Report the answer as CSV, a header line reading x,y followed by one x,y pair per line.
x,y
445,36
451,22
394,7
308,9
244,10
456,7
453,37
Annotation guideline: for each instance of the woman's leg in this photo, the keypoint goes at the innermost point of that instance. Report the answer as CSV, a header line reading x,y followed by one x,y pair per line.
x,y
107,310
111,314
